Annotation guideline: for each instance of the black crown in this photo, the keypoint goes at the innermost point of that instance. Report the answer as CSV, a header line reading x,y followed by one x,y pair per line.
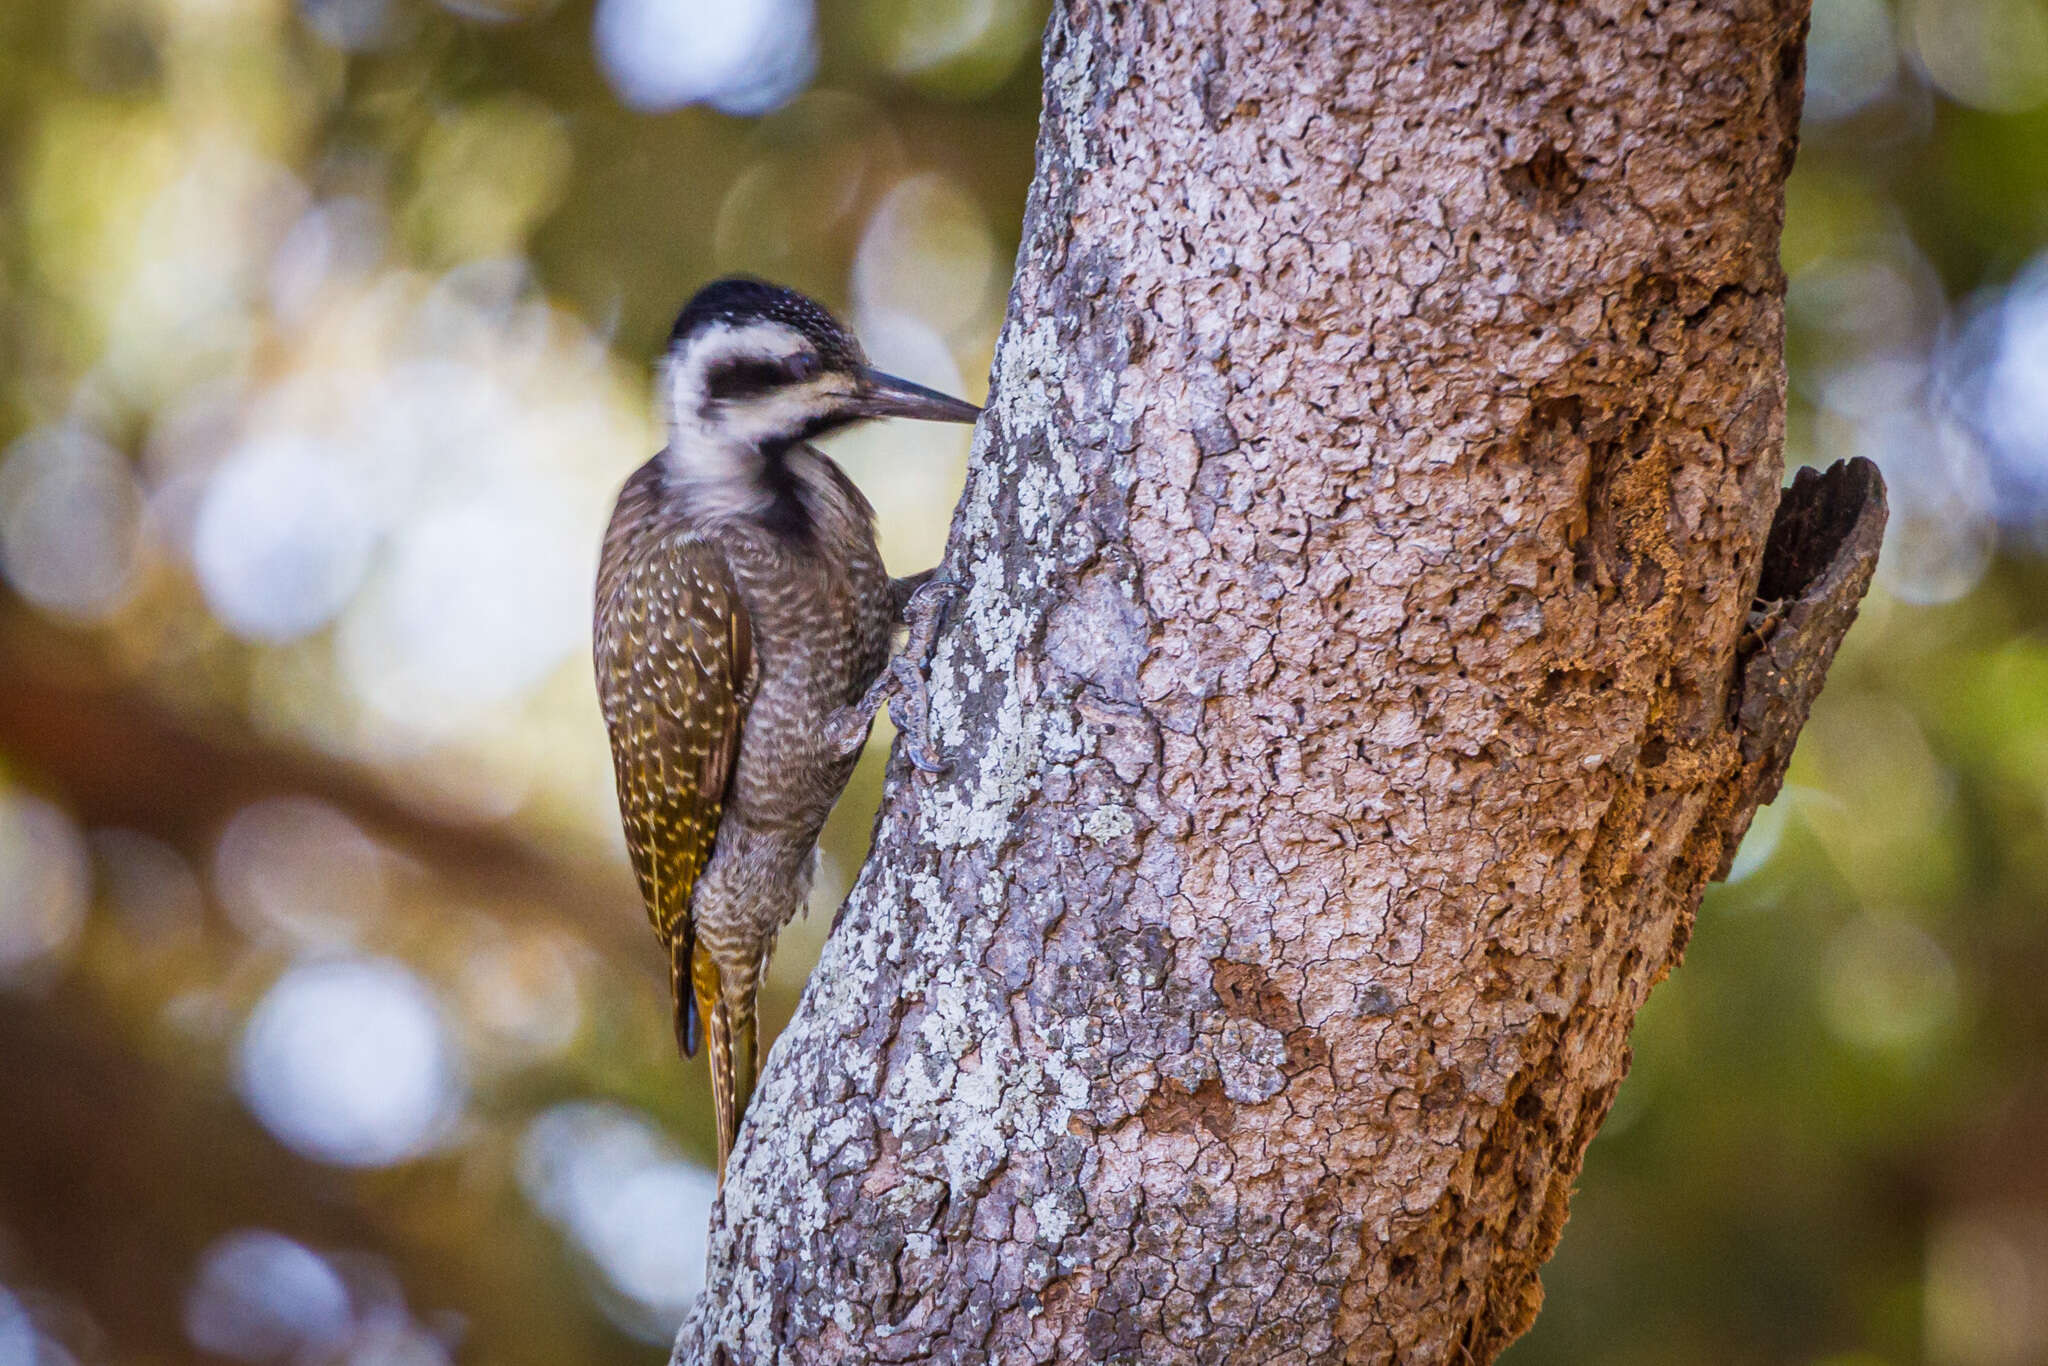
x,y
738,300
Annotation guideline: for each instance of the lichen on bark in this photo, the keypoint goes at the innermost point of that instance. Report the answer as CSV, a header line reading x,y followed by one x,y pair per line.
x,y
1346,701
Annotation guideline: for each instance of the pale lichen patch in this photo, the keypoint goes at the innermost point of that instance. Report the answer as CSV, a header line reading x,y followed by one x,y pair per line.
x,y
1106,823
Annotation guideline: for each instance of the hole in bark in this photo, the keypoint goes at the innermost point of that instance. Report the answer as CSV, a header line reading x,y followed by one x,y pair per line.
x,y
1789,59
1249,991
1585,563
1547,177
1655,294
1173,1109
1305,1051
1444,1093
1565,412
1557,683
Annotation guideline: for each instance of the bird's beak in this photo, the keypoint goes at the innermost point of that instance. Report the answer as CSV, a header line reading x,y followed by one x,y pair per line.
x,y
883,395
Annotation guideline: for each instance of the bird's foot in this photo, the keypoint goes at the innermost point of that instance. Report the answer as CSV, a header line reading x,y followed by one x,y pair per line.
x,y
911,706
902,684
923,610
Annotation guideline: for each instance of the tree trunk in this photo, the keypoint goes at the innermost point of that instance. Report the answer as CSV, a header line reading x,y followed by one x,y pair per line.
x,y
1359,675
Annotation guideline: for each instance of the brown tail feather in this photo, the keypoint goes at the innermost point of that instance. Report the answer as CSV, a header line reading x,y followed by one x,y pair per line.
x,y
725,1100
730,1021
745,1058
724,1104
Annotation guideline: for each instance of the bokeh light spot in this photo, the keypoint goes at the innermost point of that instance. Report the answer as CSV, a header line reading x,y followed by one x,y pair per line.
x,y
351,25
739,56
396,1341
1942,529
630,1203
70,518
927,252
525,992
283,538
1992,54
499,11
17,1332
1883,798
45,885
959,49
489,172
350,1063
260,1297
1886,984
1995,369
295,870
1986,1293
1766,831
478,605
1852,57
334,242
148,886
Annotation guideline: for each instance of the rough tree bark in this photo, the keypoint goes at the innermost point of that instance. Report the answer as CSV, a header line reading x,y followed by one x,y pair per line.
x,y
1361,673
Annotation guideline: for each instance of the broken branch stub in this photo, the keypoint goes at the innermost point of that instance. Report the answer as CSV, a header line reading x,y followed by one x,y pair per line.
x,y
1817,566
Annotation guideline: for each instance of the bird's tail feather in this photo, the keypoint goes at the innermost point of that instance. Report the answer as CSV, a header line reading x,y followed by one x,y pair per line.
x,y
724,1103
730,1024
745,1058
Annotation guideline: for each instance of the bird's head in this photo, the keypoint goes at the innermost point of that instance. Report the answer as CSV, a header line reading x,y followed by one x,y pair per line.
x,y
753,368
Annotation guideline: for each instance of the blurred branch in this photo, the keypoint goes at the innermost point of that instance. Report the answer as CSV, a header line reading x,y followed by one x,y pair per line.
x,y
118,1168
117,756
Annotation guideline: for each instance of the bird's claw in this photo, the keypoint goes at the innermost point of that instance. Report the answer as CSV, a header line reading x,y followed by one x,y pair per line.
x,y
902,685
923,612
910,703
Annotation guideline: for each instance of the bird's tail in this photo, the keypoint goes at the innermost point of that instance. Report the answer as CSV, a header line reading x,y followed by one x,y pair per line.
x,y
731,1027
689,1024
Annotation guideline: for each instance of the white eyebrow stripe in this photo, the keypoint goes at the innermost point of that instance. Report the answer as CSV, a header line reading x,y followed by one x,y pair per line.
x,y
718,448
686,370
690,367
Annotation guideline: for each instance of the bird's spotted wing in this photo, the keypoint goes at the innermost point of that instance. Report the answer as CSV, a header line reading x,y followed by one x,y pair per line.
x,y
674,675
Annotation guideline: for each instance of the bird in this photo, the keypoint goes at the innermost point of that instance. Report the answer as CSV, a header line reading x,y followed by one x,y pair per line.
x,y
742,639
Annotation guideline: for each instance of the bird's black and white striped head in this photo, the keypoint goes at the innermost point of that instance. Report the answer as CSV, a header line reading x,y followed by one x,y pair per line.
x,y
753,368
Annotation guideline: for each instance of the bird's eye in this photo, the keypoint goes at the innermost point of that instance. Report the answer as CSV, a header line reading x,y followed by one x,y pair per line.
x,y
744,378
804,365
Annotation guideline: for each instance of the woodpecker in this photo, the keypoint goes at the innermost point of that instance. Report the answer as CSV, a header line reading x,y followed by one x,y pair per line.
x,y
742,637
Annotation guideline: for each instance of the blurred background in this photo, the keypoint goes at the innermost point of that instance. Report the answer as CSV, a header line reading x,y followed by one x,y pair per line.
x,y
330,1028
